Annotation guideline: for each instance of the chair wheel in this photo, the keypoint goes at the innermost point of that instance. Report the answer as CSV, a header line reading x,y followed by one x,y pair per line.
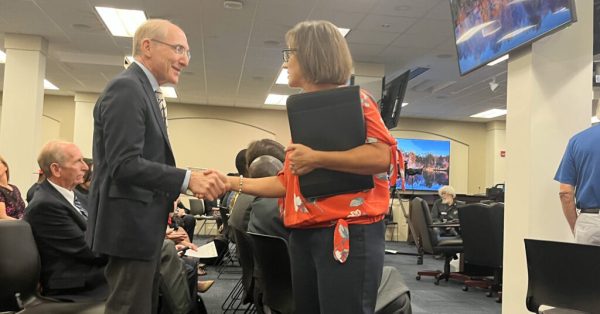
x,y
418,277
489,294
465,288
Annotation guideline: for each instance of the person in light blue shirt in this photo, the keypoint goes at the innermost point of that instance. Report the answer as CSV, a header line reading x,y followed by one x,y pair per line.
x,y
579,177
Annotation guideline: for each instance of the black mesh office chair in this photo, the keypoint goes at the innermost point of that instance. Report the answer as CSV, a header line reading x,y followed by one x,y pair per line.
x,y
275,275
562,275
430,241
20,273
482,231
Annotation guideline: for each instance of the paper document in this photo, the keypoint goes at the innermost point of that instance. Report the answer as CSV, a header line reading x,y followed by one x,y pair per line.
x,y
209,250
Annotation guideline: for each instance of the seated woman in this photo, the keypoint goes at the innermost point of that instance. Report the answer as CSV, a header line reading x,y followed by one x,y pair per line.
x,y
445,209
12,205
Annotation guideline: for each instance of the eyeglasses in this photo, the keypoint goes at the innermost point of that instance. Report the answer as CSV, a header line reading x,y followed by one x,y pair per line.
x,y
179,49
287,53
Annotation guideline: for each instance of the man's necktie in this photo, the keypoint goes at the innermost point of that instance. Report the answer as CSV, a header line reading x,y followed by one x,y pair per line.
x,y
162,104
80,208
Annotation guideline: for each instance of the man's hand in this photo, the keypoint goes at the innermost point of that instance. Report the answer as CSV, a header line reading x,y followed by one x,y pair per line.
x,y
177,236
303,159
208,184
567,200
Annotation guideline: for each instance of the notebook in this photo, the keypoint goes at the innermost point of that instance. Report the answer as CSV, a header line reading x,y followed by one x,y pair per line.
x,y
329,120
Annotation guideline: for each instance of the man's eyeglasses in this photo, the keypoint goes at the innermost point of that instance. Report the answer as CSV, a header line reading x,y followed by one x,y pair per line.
x,y
287,53
179,49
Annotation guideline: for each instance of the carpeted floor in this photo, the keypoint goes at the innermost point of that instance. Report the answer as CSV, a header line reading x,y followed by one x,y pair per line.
x,y
447,298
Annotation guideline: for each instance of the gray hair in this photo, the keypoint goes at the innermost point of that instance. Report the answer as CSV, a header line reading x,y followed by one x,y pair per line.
x,y
322,52
52,152
153,28
264,166
446,189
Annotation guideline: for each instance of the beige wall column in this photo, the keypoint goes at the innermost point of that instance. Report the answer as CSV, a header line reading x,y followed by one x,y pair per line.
x,y
495,145
549,95
22,103
83,129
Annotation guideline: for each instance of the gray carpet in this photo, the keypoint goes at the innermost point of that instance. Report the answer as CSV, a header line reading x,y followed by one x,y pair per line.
x,y
447,298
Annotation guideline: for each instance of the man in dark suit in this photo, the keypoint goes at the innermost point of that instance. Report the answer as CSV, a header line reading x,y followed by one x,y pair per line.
x,y
69,268
135,179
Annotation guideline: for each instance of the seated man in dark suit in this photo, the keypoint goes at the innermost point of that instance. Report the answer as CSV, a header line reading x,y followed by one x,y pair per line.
x,y
70,269
58,219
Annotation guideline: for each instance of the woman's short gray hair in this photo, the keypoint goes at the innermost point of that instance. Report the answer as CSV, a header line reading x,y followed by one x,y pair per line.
x,y
448,190
321,51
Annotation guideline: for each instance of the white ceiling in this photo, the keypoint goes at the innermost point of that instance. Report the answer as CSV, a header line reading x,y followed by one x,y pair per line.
x,y
236,54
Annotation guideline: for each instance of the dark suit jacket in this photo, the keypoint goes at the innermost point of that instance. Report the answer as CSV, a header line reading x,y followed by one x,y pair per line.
x,y
68,263
135,180
266,219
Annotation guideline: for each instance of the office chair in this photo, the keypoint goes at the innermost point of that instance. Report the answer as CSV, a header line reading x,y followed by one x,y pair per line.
x,y
482,231
20,274
562,275
431,242
393,296
275,275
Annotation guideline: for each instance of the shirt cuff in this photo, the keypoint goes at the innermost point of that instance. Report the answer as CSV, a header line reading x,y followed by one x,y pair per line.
x,y
186,181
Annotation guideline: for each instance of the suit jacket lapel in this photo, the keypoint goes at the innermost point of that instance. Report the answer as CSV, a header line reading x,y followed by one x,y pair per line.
x,y
79,219
151,98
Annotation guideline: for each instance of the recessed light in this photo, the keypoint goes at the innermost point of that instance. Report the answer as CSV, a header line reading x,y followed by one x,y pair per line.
x,y
386,25
168,91
492,113
2,57
344,31
121,22
282,78
276,99
49,85
503,58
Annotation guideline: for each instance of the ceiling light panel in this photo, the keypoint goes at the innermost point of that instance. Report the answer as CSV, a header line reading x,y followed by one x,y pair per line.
x,y
121,22
49,85
2,57
489,114
276,99
282,79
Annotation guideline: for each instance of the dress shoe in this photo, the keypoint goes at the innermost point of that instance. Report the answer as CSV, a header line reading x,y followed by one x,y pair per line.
x,y
203,286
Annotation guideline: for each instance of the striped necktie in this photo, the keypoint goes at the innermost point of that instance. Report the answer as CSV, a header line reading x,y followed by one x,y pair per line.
x,y
162,104
80,208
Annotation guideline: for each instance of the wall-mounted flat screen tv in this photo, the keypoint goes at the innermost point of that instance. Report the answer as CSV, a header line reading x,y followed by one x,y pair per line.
x,y
488,29
427,164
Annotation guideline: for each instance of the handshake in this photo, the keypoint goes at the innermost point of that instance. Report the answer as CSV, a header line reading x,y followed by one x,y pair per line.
x,y
208,184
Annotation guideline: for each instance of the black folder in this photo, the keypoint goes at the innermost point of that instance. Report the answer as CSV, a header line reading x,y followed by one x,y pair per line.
x,y
329,120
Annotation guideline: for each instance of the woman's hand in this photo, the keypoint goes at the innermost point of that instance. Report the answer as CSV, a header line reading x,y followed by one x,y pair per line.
x,y
303,159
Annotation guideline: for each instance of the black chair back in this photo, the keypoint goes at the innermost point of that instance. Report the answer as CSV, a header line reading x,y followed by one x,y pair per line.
x,y
246,256
421,217
482,231
562,275
196,207
19,260
273,261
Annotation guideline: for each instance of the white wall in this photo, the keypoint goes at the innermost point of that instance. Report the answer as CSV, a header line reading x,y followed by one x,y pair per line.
x,y
211,136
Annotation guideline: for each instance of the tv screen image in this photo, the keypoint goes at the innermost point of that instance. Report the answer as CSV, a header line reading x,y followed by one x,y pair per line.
x,y
427,163
488,29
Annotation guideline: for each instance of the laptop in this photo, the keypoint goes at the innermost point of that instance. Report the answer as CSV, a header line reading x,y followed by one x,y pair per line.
x,y
329,120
